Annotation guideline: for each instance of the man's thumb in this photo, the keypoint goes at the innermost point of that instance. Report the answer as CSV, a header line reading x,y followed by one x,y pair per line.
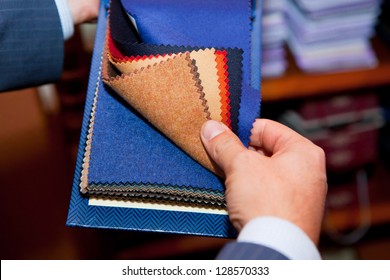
x,y
221,144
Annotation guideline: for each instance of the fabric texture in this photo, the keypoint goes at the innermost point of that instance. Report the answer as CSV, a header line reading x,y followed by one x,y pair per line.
x,y
121,50
205,65
169,95
228,24
102,104
122,158
124,155
31,43
141,180
124,41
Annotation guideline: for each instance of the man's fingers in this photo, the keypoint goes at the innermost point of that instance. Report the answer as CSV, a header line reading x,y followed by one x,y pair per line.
x,y
221,143
83,11
273,137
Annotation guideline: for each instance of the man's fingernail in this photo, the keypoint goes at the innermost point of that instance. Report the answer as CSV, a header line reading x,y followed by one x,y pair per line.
x,y
211,129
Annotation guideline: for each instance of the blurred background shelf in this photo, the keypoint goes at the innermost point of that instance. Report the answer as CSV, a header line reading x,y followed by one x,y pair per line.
x,y
295,83
39,148
349,214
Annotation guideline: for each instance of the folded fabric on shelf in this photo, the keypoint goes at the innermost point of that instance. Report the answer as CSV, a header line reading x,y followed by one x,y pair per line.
x,y
332,36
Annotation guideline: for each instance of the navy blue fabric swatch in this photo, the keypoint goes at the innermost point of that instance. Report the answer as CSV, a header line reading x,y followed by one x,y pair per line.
x,y
120,25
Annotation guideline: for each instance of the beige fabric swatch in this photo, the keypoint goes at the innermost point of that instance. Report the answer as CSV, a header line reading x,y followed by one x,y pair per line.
x,y
205,61
169,95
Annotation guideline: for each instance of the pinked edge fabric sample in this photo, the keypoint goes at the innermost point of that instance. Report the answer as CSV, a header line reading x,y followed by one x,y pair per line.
x,y
81,214
215,199
99,201
207,66
169,95
131,65
153,193
128,149
147,192
223,80
234,58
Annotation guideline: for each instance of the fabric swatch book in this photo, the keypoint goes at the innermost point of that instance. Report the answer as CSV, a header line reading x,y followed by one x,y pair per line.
x,y
160,69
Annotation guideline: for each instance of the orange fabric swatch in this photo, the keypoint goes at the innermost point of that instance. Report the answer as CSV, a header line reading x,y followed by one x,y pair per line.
x,y
224,86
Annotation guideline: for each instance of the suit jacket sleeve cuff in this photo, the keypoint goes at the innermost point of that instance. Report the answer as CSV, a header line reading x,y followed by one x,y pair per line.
x,y
66,18
280,235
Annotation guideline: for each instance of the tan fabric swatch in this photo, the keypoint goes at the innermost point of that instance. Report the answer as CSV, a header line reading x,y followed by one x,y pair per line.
x,y
205,61
169,95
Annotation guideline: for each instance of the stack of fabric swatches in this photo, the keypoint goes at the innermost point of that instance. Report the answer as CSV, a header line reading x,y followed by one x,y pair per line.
x,y
157,75
334,35
274,35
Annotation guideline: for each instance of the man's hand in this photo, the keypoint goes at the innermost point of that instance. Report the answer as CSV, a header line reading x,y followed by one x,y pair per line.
x,y
281,174
83,10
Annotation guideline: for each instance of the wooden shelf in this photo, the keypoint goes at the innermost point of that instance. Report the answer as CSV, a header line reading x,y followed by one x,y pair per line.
x,y
296,83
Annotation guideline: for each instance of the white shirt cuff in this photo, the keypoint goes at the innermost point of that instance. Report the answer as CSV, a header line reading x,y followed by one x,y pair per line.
x,y
280,235
66,18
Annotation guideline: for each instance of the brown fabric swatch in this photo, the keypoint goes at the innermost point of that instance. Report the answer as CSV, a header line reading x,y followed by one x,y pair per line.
x,y
169,95
207,68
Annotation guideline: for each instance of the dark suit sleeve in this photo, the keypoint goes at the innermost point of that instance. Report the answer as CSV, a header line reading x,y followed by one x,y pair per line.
x,y
248,251
31,43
